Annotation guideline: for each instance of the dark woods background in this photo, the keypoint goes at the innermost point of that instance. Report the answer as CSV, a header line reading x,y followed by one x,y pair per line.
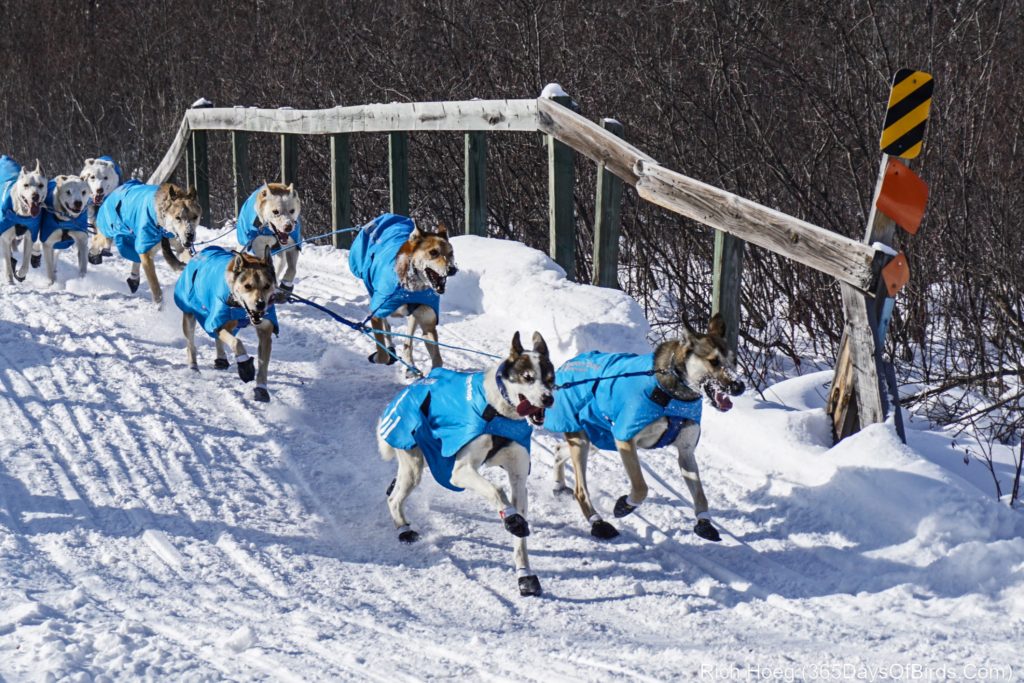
x,y
778,102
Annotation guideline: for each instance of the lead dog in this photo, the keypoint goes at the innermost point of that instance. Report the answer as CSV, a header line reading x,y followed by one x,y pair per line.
x,y
225,291
405,270
140,219
65,222
103,175
458,422
625,402
270,217
21,198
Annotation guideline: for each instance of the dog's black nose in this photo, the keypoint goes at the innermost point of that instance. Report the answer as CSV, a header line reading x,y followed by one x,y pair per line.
x,y
736,388
452,270
261,305
548,400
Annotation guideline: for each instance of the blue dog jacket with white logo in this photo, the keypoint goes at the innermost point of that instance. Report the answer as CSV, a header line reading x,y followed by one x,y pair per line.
x,y
9,170
202,290
128,217
617,408
51,223
443,412
249,228
372,259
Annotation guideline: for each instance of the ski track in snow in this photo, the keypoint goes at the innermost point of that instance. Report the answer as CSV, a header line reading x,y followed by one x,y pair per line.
x,y
156,522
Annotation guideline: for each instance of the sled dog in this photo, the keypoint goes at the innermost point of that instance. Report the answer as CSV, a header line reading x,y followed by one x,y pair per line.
x,y
405,269
225,291
21,198
458,421
140,219
65,222
270,216
624,402
103,175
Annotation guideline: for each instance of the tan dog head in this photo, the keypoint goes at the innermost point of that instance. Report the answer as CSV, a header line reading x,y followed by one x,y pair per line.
x,y
252,283
278,206
426,260
28,192
529,379
700,361
179,212
70,196
101,175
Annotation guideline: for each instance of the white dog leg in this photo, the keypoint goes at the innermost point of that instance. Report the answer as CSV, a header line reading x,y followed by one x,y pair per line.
x,y
410,472
465,474
26,254
50,259
686,446
82,244
188,326
5,254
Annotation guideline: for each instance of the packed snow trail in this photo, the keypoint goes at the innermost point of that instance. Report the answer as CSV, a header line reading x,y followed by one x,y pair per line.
x,y
155,522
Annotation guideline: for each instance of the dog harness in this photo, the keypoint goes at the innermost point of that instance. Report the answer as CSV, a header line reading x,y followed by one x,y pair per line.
x,y
248,226
128,217
9,171
372,259
615,408
202,290
443,412
51,223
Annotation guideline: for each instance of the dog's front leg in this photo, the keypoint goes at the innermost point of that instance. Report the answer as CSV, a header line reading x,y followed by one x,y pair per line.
x,y
265,334
188,326
686,446
465,474
516,462
26,254
427,319
5,254
291,264
637,484
381,355
410,330
50,260
149,267
246,364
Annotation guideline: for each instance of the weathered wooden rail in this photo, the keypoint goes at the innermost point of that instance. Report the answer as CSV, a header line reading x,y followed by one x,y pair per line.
x,y
738,220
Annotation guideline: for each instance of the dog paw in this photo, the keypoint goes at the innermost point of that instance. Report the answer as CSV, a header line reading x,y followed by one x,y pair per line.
x,y
96,259
408,536
133,284
260,394
413,373
517,525
106,252
194,367
221,364
603,530
391,487
36,260
560,490
622,508
388,359
247,370
706,530
529,586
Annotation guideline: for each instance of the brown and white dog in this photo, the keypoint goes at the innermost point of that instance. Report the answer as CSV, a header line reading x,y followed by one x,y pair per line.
x,y
457,422
272,216
629,402
22,201
225,291
405,269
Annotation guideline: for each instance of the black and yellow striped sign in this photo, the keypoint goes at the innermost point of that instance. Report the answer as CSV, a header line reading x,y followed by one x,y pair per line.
x,y
905,119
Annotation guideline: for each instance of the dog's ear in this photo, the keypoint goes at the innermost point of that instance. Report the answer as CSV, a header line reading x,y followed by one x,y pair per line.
x,y
291,188
539,345
190,193
416,234
442,230
172,191
39,168
264,191
90,161
237,264
716,328
517,346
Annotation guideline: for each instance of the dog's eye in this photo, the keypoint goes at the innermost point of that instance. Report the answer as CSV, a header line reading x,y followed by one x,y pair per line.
x,y
248,288
292,212
434,253
276,212
715,362
527,377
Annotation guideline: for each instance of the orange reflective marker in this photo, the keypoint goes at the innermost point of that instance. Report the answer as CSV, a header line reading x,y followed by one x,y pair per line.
x,y
903,196
896,274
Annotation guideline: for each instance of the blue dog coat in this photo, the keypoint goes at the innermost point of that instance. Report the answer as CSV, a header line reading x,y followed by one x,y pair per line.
x,y
202,290
248,226
443,412
51,223
9,170
128,217
372,259
617,408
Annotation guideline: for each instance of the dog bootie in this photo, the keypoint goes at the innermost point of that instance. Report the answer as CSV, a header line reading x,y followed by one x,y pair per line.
x,y
706,530
105,251
603,530
392,356
36,260
133,284
623,507
95,259
221,364
261,394
247,369
517,525
283,293
529,586
408,536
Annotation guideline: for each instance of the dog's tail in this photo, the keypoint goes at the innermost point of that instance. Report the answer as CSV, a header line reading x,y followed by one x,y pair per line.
x,y
172,259
387,451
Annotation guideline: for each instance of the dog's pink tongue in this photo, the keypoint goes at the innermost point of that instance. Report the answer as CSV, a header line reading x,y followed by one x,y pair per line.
x,y
525,408
722,402
34,209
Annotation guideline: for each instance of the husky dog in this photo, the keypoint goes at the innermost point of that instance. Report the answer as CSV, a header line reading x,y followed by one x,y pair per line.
x,y
21,198
143,218
405,269
457,422
103,175
624,402
65,222
225,291
270,216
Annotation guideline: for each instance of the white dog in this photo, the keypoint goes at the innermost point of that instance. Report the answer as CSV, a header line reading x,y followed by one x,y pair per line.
x,y
270,217
103,176
65,222
21,199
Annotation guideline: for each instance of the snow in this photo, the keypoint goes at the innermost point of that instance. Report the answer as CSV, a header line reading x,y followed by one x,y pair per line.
x,y
553,90
156,523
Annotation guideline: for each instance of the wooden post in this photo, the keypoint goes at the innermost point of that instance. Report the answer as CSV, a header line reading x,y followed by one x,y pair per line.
x,y
341,191
561,216
188,163
727,284
476,183
241,176
607,207
398,171
289,158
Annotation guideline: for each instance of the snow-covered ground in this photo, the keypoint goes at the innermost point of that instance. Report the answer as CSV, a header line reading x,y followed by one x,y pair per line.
x,y
158,523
